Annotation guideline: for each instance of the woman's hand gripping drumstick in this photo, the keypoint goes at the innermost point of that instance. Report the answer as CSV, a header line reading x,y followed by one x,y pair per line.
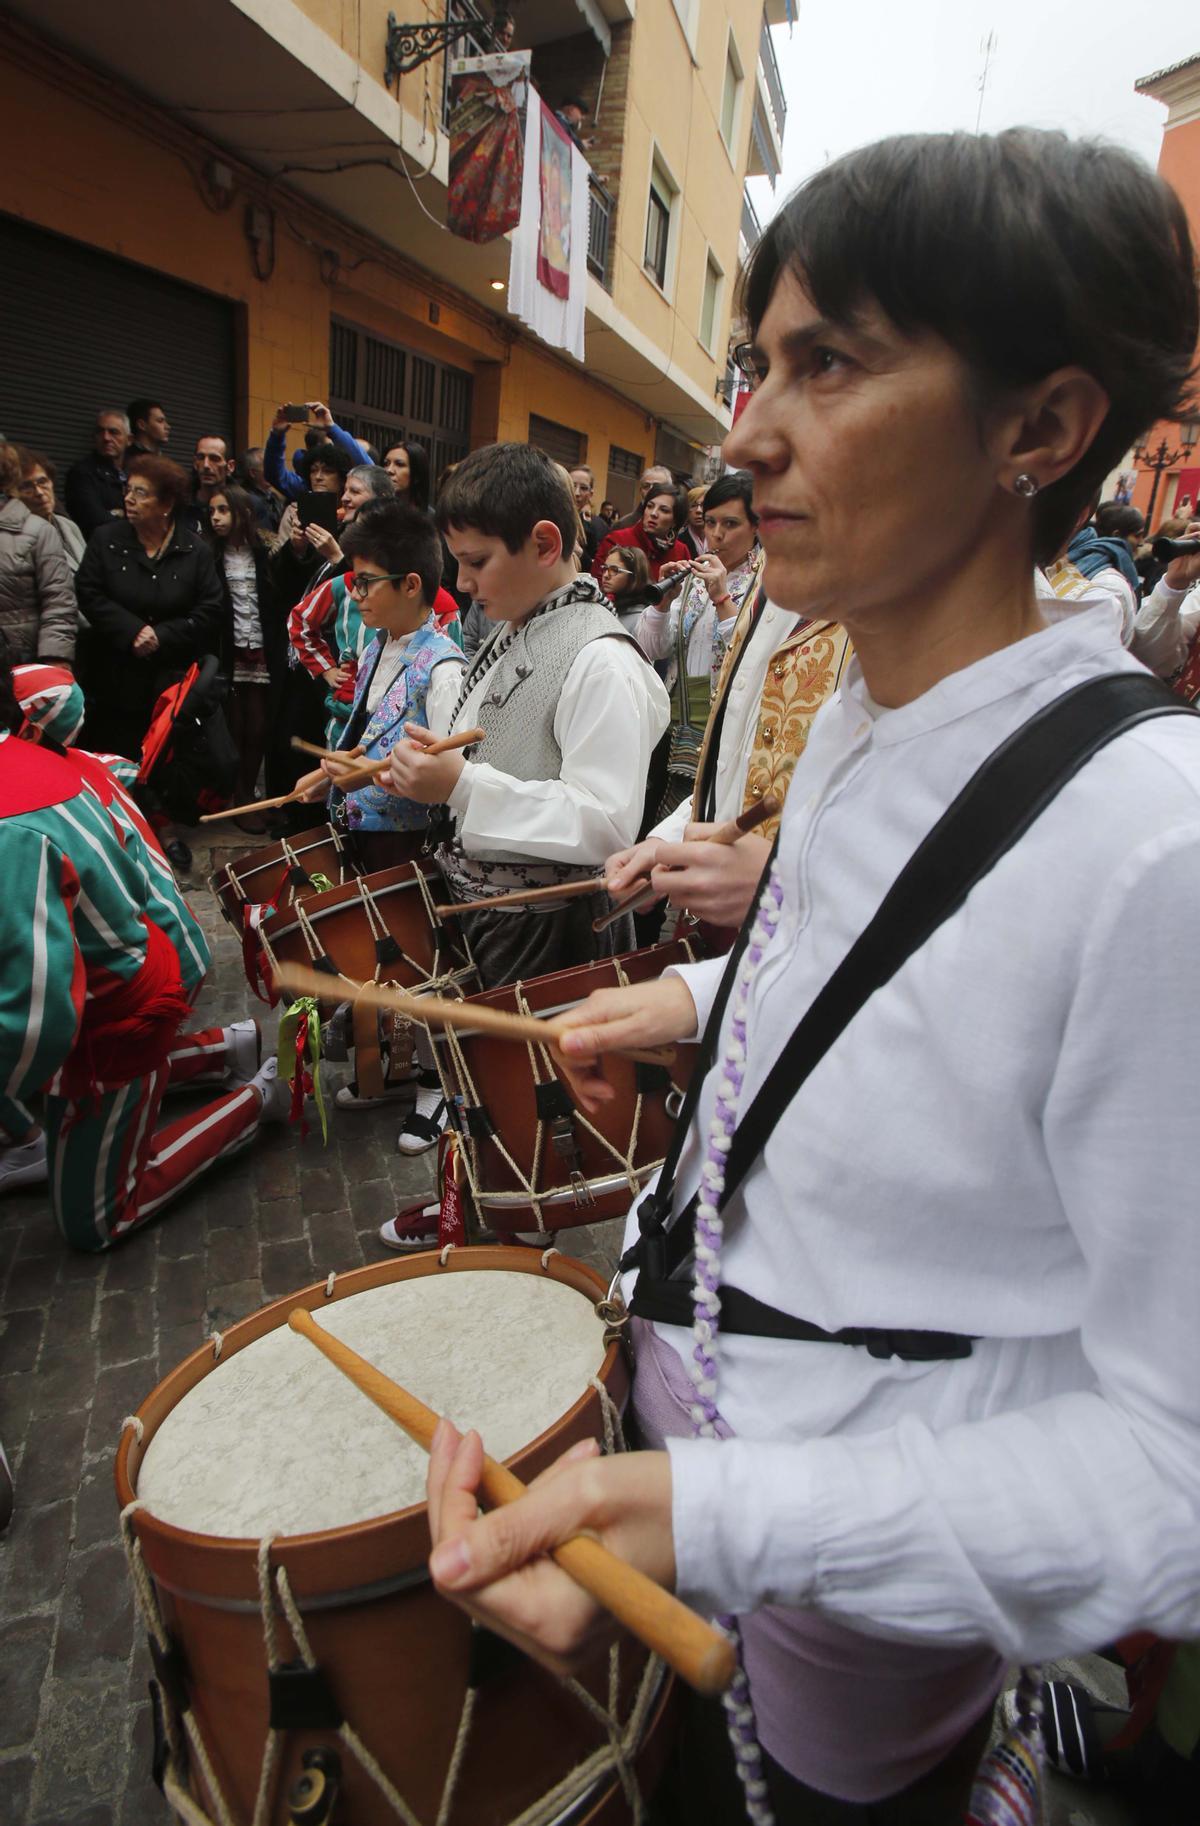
x,y
547,1616
713,872
439,1011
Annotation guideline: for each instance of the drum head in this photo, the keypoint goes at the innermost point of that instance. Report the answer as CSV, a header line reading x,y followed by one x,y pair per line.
x,y
275,1440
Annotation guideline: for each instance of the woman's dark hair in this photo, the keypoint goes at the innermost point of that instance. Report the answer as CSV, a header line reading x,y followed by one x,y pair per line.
x,y
399,537
418,470
330,454
738,485
171,484
33,459
1026,252
244,527
503,491
1117,520
633,561
679,501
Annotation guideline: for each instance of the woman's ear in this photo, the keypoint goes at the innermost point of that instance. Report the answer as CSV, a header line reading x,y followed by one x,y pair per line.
x,y
1052,428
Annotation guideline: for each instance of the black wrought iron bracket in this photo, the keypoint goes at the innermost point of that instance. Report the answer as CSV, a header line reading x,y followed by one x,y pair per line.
x,y
409,46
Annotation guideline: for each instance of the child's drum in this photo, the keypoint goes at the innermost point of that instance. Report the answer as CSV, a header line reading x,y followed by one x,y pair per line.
x,y
279,873
278,1542
532,1159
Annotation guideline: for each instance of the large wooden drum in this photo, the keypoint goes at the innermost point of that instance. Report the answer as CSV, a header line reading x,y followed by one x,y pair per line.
x,y
278,1542
381,928
533,1160
278,874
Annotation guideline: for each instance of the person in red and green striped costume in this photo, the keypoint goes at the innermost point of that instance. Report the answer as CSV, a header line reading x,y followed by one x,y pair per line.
x,y
101,959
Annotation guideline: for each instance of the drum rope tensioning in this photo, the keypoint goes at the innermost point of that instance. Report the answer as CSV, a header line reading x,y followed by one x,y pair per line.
x,y
277,1545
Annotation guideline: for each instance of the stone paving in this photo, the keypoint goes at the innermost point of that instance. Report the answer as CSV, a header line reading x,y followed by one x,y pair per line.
x,y
83,1339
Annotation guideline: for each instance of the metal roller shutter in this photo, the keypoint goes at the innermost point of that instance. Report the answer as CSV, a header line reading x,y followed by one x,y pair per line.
x,y
558,441
81,330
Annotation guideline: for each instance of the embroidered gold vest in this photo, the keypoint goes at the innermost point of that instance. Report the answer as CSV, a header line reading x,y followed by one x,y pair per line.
x,y
803,671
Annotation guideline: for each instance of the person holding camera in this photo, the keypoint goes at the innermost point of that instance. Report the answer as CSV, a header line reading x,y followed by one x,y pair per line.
x,y
293,479
1166,634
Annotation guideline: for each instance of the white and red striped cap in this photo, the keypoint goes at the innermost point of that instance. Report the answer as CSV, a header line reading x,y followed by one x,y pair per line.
x,y
51,699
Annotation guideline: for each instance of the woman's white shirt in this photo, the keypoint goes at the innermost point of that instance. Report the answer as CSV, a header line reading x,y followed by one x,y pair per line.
x,y
1001,1144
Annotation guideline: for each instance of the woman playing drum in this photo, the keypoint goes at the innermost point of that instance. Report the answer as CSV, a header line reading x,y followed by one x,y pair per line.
x,y
990,1154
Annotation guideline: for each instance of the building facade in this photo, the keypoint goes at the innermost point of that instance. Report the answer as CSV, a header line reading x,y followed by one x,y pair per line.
x,y
227,204
1179,162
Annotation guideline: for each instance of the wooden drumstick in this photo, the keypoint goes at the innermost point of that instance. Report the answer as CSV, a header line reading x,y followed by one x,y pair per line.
x,y
519,897
438,1011
255,805
324,754
698,1653
640,898
370,770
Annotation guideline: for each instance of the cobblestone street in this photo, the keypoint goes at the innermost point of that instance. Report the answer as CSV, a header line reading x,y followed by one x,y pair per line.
x,y
83,1340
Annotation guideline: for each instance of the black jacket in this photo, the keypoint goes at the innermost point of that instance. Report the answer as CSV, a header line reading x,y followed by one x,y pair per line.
x,y
95,493
120,592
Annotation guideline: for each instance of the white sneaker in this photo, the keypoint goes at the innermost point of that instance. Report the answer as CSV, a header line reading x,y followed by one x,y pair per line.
x,y
276,1092
243,1042
422,1132
416,1228
24,1164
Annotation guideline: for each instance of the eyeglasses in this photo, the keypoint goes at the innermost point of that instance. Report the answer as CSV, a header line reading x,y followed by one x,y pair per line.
x,y
361,582
37,485
747,360
614,570
139,494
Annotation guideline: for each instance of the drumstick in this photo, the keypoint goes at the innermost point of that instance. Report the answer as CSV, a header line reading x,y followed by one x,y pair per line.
x,y
640,898
322,754
519,896
370,770
698,1653
255,805
438,1011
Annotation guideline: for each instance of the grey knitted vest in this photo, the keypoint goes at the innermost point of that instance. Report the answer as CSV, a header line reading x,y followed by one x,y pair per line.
x,y
524,687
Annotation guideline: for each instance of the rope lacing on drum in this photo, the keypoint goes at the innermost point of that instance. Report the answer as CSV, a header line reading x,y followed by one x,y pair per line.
x,y
617,1757
541,1063
174,1781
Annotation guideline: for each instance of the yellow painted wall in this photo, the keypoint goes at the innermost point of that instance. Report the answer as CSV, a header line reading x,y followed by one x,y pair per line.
x,y
140,201
674,102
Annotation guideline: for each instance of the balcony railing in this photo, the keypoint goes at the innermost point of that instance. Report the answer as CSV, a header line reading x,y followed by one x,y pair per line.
x,y
751,227
770,69
600,217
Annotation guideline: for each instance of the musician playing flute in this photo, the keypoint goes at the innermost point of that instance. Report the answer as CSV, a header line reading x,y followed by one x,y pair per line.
x,y
937,1408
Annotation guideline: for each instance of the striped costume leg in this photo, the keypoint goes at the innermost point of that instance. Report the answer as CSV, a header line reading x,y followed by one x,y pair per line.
x,y
199,1058
110,1171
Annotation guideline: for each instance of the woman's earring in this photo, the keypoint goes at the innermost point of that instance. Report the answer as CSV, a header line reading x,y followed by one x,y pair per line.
x,y
1026,486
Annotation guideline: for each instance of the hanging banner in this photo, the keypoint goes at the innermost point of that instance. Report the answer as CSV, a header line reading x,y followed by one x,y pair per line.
x,y
554,183
488,100
554,312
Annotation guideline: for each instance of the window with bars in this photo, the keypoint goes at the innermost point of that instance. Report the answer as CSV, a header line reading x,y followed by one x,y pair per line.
x,y
558,441
384,393
624,471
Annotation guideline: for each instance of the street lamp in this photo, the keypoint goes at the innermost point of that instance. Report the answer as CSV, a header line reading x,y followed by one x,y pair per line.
x,y
1165,458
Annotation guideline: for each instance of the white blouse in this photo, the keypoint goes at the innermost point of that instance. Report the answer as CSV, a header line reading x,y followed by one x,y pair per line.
x,y
1002,1143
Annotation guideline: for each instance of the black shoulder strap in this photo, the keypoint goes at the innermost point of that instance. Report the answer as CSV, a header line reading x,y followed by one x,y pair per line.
x,y
995,808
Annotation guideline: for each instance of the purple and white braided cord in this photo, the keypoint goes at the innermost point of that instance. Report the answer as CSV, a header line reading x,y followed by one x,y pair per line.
x,y
710,1236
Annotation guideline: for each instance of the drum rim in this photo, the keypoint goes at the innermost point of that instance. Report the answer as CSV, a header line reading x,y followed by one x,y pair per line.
x,y
228,1560
399,879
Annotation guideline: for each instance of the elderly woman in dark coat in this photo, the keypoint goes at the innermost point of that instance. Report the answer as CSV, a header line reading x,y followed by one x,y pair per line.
x,y
149,590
